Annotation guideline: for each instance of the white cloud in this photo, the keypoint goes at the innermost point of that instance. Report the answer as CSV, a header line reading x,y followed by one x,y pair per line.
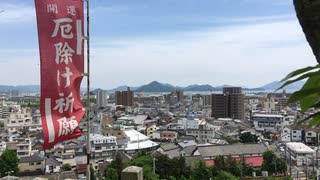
x,y
244,54
16,13
248,55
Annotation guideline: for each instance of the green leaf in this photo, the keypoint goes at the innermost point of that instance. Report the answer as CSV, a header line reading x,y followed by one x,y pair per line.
x,y
316,106
307,102
308,95
307,75
302,94
315,120
300,71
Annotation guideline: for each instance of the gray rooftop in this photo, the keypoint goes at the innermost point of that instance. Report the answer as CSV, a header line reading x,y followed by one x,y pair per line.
x,y
186,143
234,149
34,158
168,146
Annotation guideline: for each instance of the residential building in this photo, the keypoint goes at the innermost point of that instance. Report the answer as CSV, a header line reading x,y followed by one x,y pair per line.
x,y
67,151
52,165
124,98
102,98
206,100
103,147
269,122
294,133
32,165
251,153
300,154
203,134
138,141
165,135
312,136
24,148
230,104
301,133
150,129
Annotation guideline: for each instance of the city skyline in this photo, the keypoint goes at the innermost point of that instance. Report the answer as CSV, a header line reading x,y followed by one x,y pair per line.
x,y
246,43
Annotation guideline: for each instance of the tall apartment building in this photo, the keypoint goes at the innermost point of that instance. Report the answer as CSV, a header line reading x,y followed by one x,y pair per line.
x,y
102,98
124,98
230,104
206,100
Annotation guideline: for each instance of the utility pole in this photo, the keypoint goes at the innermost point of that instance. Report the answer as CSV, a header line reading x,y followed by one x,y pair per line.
x,y
241,161
154,166
88,93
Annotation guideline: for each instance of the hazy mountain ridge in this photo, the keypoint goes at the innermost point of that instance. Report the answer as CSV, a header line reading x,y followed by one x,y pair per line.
x,y
156,86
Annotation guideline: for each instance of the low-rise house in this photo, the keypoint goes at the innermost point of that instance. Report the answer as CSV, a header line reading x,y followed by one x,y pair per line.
x,y
300,133
169,149
150,129
312,136
24,148
138,141
3,146
31,165
103,147
66,152
300,154
187,143
251,153
165,135
52,165
204,133
269,122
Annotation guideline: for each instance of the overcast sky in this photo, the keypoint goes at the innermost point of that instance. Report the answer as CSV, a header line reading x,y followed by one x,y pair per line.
x,y
181,42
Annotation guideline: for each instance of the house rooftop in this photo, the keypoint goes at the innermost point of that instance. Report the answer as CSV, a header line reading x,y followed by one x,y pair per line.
x,y
233,149
299,147
34,158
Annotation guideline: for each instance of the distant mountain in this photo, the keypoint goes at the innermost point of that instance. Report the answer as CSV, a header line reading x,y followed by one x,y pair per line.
x,y
21,88
220,88
276,84
197,87
122,88
155,86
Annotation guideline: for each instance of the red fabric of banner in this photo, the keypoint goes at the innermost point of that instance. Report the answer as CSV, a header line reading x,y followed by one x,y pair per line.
x,y
60,30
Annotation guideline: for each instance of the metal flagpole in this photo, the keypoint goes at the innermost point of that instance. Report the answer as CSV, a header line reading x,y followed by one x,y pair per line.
x,y
88,93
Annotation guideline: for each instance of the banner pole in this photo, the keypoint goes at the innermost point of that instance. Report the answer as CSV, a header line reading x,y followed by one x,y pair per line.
x,y
88,93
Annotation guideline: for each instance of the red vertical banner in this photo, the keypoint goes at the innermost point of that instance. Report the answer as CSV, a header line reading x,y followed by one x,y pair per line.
x,y
60,30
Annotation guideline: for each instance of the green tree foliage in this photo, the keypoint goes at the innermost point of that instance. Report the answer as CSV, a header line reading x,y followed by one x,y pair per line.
x,y
246,170
175,167
92,174
229,139
111,174
219,165
225,176
247,137
8,163
272,163
202,171
232,166
67,167
116,165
